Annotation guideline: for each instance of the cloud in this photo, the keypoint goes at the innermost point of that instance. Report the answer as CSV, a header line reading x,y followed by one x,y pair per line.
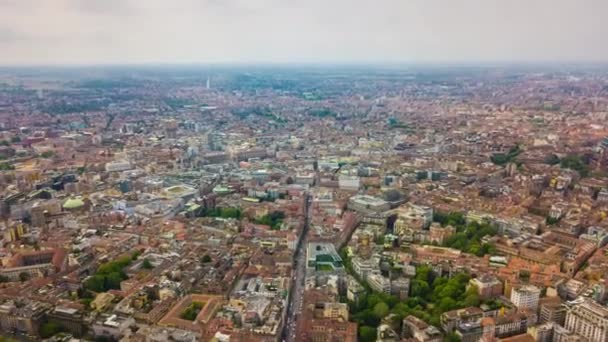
x,y
132,31
9,36
103,7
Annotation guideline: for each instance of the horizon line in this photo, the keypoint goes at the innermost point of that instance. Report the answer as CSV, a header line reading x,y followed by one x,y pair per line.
x,y
328,63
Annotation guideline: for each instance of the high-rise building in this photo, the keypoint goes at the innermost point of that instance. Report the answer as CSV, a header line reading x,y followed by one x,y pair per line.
x,y
526,297
588,319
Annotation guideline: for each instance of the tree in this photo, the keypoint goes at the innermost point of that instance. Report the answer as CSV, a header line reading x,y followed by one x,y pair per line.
x,y
112,281
15,139
552,159
420,288
381,310
576,163
206,259
4,279
47,154
146,264
452,337
393,195
24,276
471,296
367,334
49,329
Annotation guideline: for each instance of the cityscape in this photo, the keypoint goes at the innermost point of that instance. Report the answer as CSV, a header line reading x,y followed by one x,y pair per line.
x,y
321,171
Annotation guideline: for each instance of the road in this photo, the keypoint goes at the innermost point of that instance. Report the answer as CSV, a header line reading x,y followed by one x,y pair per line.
x,y
294,308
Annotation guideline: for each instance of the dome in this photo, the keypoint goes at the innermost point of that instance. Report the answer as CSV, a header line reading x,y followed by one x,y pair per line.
x,y
73,203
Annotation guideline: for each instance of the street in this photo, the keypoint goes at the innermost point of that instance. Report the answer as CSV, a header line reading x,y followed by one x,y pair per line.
x,y
297,293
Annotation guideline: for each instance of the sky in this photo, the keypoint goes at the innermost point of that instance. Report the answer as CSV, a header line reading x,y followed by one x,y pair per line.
x,y
58,32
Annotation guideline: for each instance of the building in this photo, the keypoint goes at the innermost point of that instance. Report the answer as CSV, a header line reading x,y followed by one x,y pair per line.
x,y
331,310
119,165
413,217
416,328
450,320
22,317
354,290
488,286
551,309
542,333
514,324
349,183
69,319
112,327
526,297
323,257
400,288
379,283
367,204
588,319
439,234
469,332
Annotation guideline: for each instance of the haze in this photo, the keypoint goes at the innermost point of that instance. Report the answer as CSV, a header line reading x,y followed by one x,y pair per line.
x,y
316,31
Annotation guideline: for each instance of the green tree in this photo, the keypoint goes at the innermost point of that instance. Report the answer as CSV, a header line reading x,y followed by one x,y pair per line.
x,y
95,283
6,167
471,296
367,334
112,281
381,310
206,259
24,276
451,337
49,329
420,288
552,159
146,264
47,154
576,163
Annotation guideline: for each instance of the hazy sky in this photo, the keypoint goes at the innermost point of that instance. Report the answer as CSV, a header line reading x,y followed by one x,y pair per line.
x,y
352,31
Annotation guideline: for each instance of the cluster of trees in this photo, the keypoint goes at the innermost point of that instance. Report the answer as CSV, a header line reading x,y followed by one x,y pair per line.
x,y
576,163
6,167
273,219
146,264
323,113
109,275
176,103
192,311
206,259
50,329
468,235
103,84
47,154
393,195
468,239
552,159
222,212
430,296
394,123
551,221
505,158
63,107
264,112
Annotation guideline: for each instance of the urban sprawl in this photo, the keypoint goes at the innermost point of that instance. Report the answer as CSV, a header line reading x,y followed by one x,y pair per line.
x,y
316,204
